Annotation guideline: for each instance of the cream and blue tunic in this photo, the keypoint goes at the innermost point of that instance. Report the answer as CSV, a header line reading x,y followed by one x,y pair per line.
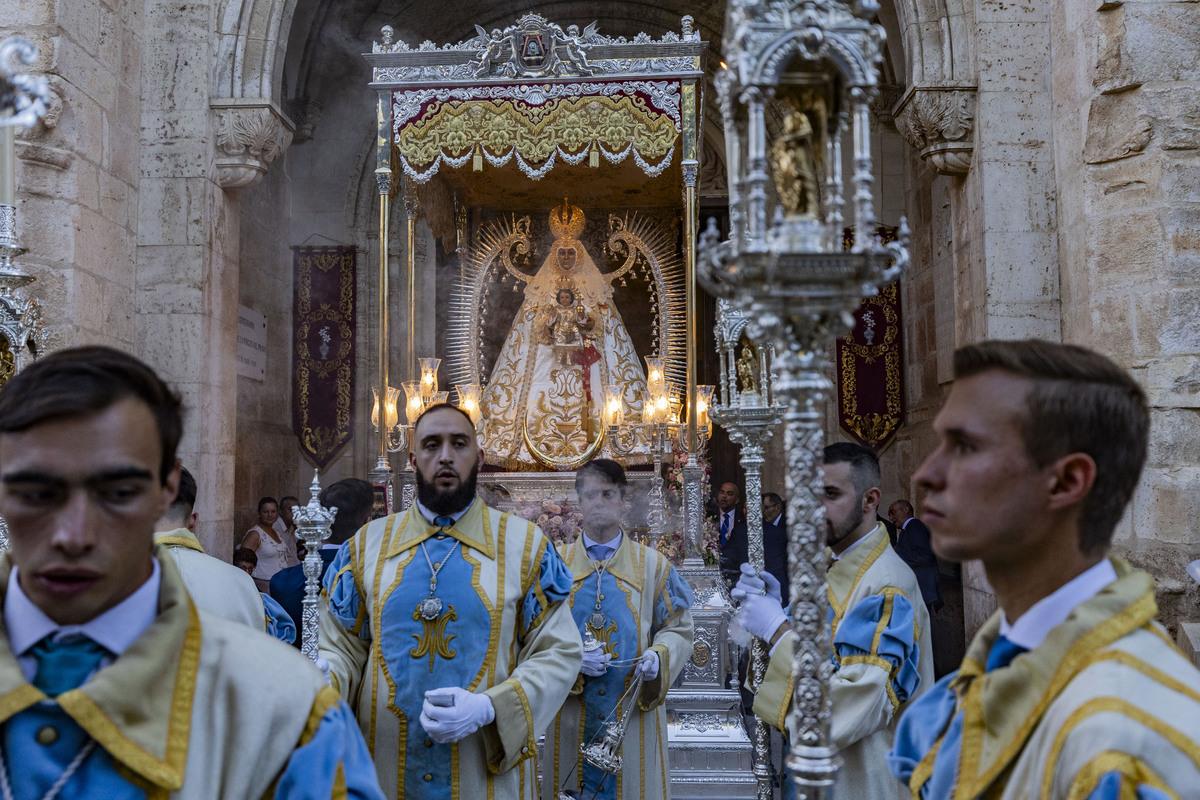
x,y
1105,708
502,630
646,604
882,659
197,708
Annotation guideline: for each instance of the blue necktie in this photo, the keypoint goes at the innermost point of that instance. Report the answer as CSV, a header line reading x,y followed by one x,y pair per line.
x,y
599,552
444,522
1003,652
66,662
724,528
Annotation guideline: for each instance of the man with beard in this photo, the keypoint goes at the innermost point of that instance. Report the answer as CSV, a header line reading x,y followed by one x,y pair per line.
x,y
878,624
445,625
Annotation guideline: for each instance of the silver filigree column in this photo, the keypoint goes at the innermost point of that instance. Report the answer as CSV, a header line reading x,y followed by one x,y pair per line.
x,y
750,416
314,523
783,267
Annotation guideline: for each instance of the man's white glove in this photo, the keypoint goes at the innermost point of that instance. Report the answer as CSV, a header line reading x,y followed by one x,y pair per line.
x,y
323,665
595,662
758,612
451,723
755,582
647,665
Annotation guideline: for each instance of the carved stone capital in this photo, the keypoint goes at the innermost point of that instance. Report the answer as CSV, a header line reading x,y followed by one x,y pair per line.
x,y
940,122
251,133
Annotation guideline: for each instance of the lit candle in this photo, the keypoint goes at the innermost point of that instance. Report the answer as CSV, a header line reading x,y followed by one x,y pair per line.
x,y
8,166
614,411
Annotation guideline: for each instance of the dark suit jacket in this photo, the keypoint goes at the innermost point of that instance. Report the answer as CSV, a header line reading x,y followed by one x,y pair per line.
x,y
736,551
891,528
775,541
287,588
913,546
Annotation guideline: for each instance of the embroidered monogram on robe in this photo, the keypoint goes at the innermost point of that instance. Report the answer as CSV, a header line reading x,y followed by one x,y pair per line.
x,y
499,626
646,604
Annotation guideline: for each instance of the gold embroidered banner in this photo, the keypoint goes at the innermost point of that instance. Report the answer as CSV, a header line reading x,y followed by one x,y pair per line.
x,y
870,366
323,350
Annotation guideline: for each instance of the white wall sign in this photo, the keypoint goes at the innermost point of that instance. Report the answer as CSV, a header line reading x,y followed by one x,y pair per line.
x,y
252,344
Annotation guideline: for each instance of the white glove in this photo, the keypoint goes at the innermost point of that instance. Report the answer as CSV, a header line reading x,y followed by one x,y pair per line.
x,y
447,724
323,665
758,612
647,665
595,662
754,582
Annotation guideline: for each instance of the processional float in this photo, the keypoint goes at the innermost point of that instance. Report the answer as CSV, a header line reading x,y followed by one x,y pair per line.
x,y
23,99
784,267
531,134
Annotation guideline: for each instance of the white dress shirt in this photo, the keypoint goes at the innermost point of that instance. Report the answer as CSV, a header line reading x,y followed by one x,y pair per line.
x,y
589,542
430,516
115,629
1032,627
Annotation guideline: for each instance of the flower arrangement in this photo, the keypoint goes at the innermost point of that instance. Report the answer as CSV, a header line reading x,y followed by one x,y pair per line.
x,y
558,518
672,545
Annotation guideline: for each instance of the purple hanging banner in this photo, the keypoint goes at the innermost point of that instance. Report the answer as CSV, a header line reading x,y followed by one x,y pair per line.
x,y
323,350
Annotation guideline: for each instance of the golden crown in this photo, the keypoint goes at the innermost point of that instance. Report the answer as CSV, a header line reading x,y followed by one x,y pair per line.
x,y
566,221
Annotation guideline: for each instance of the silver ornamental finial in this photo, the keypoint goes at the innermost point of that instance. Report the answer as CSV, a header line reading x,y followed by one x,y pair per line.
x,y
26,95
314,523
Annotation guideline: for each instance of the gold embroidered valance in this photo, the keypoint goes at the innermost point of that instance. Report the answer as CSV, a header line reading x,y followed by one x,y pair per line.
x,y
570,128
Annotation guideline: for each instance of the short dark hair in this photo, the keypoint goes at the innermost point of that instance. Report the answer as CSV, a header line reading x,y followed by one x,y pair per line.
x,y
353,498
604,468
262,501
773,498
185,499
245,554
907,506
1081,402
286,497
439,406
87,380
864,464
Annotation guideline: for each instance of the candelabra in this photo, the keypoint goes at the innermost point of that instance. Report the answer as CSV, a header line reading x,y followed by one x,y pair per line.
x,y
818,61
314,523
659,430
750,416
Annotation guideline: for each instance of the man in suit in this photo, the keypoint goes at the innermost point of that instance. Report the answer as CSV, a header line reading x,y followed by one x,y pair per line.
x,y
912,545
731,526
352,498
775,541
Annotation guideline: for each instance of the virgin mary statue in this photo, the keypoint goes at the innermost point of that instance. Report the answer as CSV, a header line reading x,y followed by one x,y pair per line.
x,y
543,403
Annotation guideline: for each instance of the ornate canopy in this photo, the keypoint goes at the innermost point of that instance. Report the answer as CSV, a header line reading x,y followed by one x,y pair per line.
x,y
541,95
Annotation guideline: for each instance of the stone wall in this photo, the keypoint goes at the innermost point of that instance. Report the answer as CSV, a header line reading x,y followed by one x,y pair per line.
x,y
266,459
77,170
1127,148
